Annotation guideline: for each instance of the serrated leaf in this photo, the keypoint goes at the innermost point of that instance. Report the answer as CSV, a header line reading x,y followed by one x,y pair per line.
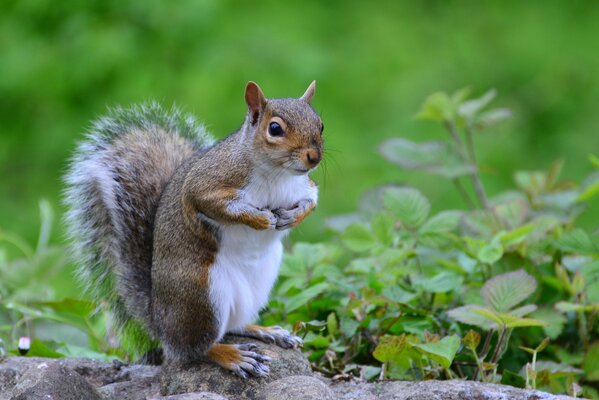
x,y
382,227
505,291
471,340
524,310
436,157
466,315
391,348
408,205
442,351
490,253
358,237
444,222
577,241
510,321
441,283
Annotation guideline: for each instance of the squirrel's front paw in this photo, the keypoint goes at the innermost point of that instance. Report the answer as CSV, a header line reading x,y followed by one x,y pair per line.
x,y
265,219
288,218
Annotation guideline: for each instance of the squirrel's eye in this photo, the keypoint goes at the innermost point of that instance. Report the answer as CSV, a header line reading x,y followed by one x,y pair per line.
x,y
274,129
321,128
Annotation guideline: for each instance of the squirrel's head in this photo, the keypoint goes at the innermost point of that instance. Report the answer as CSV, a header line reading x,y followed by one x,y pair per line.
x,y
287,131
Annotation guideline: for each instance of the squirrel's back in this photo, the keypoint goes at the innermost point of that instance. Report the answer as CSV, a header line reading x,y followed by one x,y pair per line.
x,y
114,184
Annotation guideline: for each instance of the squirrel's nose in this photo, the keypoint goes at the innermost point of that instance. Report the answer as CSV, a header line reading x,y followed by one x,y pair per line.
x,y
312,157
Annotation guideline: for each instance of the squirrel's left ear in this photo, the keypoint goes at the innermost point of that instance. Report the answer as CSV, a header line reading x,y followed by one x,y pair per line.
x,y
307,97
255,100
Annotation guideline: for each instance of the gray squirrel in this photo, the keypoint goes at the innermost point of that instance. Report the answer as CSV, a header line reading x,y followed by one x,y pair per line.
x,y
181,236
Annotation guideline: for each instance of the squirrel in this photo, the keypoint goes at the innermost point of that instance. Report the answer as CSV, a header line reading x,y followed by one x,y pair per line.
x,y
181,236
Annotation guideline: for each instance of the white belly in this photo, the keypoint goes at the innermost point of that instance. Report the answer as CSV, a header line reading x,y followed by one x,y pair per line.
x,y
248,260
245,270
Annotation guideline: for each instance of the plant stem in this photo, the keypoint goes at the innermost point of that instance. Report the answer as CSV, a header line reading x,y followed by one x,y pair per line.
x,y
479,364
534,368
463,193
498,345
476,181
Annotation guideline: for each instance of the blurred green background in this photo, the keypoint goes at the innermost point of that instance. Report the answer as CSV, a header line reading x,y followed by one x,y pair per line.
x,y
62,63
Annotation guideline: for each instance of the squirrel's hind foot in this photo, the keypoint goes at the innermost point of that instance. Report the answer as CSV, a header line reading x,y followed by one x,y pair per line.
x,y
240,359
273,334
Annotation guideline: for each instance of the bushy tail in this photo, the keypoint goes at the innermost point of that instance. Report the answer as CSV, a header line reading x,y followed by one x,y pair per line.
x,y
114,184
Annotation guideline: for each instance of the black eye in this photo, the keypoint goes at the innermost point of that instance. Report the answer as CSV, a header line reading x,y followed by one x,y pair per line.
x,y
274,129
321,128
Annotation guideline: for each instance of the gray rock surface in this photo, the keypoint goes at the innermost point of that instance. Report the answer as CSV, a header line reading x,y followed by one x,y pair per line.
x,y
435,390
52,382
296,388
193,396
291,378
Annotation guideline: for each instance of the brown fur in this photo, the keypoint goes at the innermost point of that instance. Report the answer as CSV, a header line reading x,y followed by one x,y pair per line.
x,y
224,355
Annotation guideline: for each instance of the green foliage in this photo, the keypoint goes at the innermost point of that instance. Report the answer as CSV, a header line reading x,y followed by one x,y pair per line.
x,y
410,295
32,304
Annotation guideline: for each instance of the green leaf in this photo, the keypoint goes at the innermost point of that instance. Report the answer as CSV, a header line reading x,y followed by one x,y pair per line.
x,y
444,222
442,351
43,349
466,315
590,364
408,205
490,253
471,107
557,370
577,241
492,117
508,290
306,295
391,348
508,320
332,325
436,157
382,227
471,340
441,283
84,352
589,192
554,321
565,306
358,238
513,379
437,107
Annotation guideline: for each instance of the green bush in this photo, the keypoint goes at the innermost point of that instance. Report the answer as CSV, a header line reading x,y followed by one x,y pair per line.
x,y
403,294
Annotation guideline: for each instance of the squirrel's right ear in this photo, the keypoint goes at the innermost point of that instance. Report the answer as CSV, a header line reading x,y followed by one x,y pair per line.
x,y
255,100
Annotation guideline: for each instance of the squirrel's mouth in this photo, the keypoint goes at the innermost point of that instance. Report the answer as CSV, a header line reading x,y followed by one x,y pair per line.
x,y
301,171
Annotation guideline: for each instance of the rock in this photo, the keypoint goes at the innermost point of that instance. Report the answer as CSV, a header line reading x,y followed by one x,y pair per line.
x,y
52,382
193,396
290,378
435,390
212,378
296,388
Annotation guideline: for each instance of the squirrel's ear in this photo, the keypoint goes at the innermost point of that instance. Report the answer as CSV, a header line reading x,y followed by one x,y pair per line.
x,y
255,100
307,97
